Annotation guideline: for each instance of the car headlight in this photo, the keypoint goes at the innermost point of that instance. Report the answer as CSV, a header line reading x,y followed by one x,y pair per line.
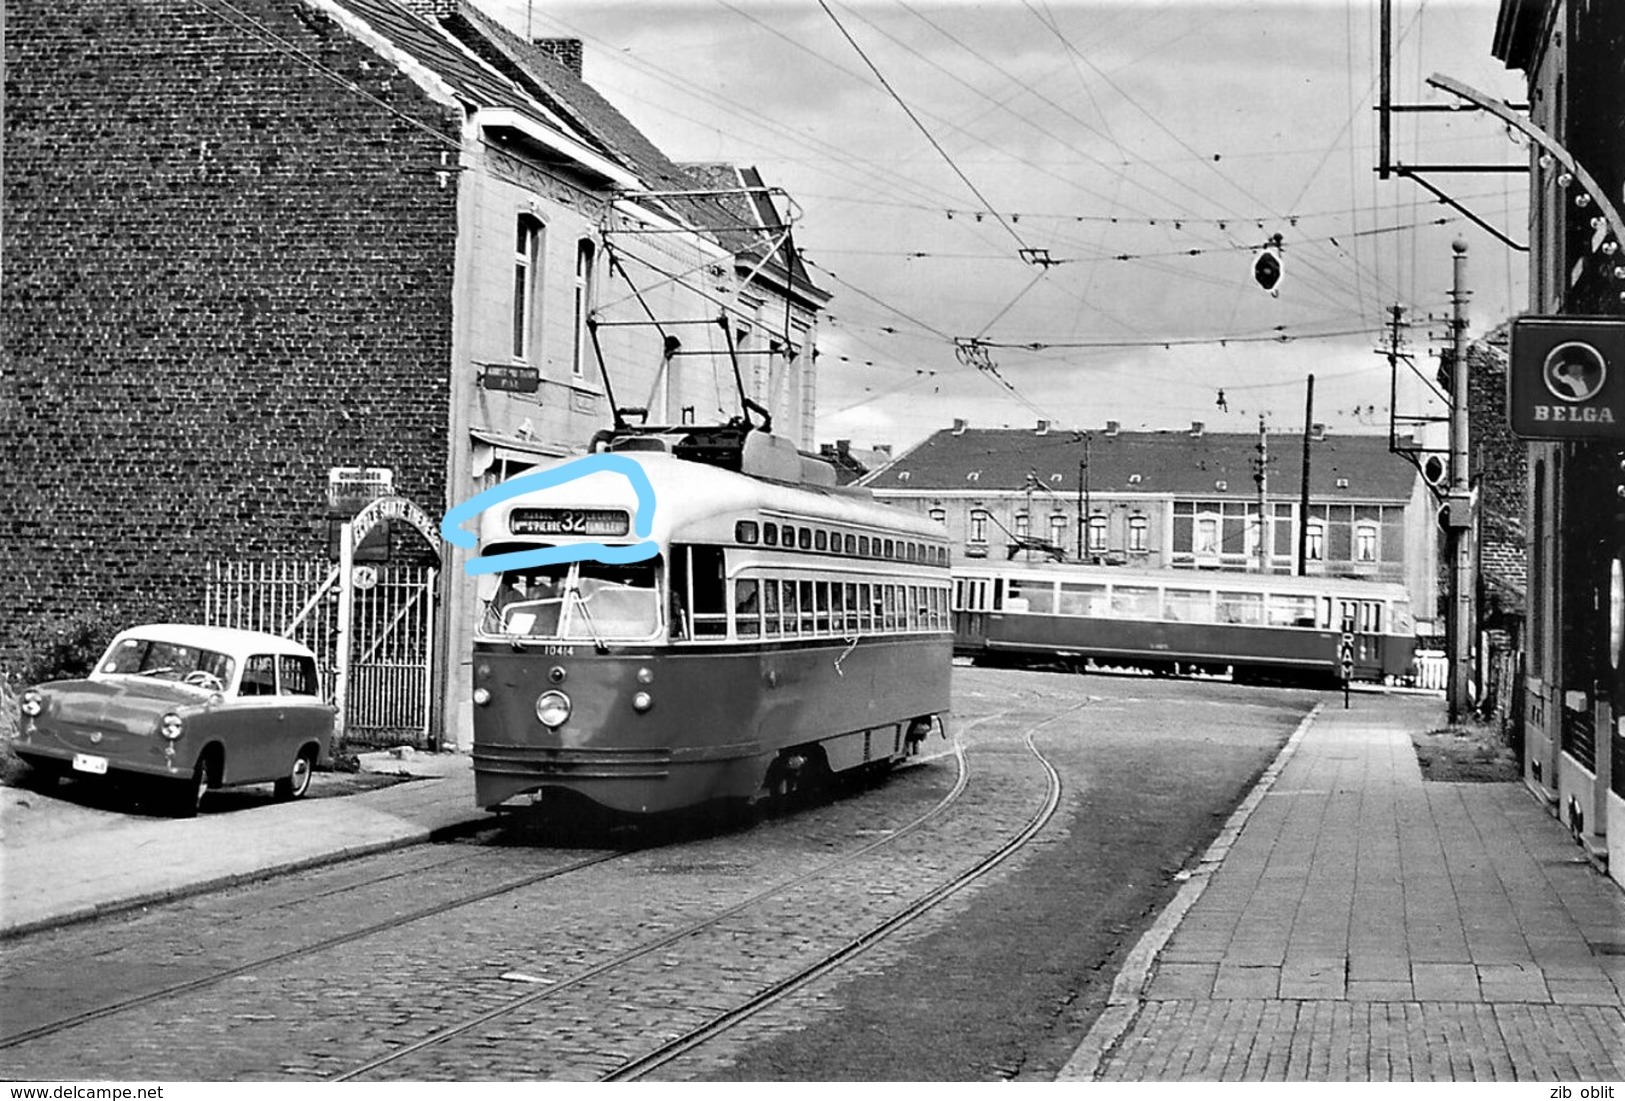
x,y
170,726
553,708
32,703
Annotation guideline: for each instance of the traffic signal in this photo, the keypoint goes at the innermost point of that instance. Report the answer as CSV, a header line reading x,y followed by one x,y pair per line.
x,y
1267,266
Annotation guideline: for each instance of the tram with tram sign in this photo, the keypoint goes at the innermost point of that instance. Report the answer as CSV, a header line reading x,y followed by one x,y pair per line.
x,y
1258,627
698,614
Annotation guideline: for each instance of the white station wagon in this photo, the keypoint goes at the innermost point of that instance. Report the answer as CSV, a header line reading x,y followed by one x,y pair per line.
x,y
194,707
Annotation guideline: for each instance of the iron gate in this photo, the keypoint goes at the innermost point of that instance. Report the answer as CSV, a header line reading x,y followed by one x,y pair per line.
x,y
390,694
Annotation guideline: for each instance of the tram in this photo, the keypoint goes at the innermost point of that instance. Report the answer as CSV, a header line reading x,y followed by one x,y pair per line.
x,y
1259,627
724,624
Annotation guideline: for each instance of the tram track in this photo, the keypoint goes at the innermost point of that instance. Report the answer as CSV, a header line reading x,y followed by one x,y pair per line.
x,y
786,987
326,944
673,1049
304,952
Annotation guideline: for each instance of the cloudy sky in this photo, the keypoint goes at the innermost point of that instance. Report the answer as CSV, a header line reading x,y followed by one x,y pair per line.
x,y
940,152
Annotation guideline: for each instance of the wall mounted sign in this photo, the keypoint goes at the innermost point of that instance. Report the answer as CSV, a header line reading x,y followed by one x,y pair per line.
x,y
1566,378
512,378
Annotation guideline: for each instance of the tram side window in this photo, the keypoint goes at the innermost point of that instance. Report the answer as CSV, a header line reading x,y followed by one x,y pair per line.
x,y
837,607
1033,596
1188,605
805,538
787,536
770,535
1287,610
747,609
1135,602
770,605
888,610
851,620
806,606
1243,608
1082,599
866,608
823,607
851,544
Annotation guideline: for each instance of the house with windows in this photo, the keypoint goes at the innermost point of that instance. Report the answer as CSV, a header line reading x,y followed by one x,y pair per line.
x,y
1572,57
1184,499
263,266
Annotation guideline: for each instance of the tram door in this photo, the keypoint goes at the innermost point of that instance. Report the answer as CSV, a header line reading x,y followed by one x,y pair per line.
x,y
970,613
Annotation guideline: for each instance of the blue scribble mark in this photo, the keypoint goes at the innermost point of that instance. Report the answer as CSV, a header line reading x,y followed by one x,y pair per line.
x,y
451,527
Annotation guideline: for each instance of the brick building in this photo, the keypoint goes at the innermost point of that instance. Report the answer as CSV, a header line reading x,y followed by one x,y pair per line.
x,y
248,246
1573,56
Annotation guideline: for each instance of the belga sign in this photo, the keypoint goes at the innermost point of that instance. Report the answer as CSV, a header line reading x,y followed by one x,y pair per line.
x,y
1566,378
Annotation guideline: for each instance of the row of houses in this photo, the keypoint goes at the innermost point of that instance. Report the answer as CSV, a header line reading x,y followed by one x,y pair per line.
x,y
1177,499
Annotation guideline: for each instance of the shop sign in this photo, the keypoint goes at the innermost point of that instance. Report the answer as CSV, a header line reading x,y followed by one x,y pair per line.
x,y
1566,378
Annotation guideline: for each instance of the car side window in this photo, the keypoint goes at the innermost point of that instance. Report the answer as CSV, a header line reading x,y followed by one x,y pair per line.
x,y
259,676
298,675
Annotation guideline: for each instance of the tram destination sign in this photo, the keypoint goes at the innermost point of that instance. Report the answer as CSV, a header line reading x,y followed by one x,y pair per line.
x,y
569,521
1566,378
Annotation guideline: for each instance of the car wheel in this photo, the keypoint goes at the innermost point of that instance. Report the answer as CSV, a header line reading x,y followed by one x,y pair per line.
x,y
297,781
189,794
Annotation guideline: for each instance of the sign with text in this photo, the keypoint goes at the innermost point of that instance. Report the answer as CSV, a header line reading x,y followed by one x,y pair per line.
x,y
512,378
1566,378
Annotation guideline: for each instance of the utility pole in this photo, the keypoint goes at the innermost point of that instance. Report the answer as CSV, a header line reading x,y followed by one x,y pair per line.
x,y
1303,486
1083,495
1083,466
1458,504
1261,479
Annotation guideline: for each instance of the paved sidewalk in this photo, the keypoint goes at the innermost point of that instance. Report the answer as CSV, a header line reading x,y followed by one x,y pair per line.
x,y
1355,923
55,880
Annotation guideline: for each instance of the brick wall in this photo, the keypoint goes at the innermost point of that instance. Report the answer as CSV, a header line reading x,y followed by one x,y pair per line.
x,y
224,273
1499,467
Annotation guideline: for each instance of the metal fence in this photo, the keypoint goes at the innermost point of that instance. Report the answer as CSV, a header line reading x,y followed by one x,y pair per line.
x,y
391,683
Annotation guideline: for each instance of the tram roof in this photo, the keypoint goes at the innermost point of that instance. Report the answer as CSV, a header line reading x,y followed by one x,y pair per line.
x,y
690,497
1217,579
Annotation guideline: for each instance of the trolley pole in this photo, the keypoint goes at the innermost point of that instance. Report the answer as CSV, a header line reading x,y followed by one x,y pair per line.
x,y
1458,504
1261,477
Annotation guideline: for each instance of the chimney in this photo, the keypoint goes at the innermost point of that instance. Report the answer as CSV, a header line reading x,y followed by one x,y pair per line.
x,y
1112,427
566,51
1043,428
1196,430
1317,431
843,448
959,426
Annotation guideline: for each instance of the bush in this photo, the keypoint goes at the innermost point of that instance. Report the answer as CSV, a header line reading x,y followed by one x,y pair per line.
x,y
68,648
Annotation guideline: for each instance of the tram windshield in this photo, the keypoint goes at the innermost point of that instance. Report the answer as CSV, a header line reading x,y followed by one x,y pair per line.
x,y
585,601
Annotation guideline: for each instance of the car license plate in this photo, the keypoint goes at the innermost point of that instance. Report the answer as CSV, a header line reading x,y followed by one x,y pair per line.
x,y
84,762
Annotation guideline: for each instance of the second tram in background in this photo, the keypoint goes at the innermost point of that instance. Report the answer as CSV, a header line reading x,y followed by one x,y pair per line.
x,y
777,629
1258,627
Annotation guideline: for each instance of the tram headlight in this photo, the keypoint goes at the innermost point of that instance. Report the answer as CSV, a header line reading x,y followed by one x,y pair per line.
x,y
482,695
645,676
642,702
553,708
